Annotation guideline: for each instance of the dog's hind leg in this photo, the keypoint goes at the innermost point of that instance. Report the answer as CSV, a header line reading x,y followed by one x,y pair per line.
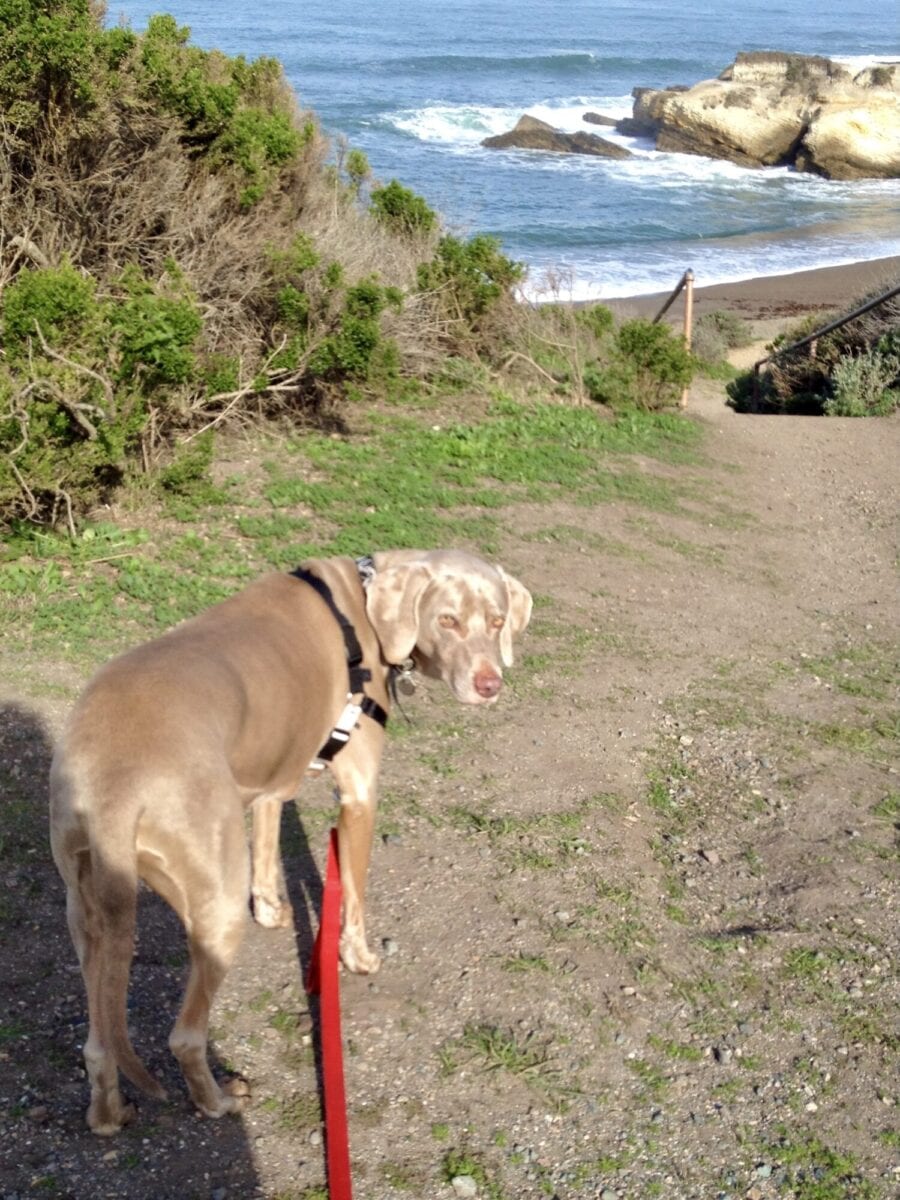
x,y
214,914
106,1112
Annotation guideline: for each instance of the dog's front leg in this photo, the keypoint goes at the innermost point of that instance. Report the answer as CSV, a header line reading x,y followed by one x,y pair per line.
x,y
356,824
270,906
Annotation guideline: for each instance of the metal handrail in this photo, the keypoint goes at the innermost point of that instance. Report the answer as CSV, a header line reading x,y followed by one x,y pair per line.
x,y
814,337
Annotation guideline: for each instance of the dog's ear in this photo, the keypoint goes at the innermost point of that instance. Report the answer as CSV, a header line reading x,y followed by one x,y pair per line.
x,y
517,618
392,606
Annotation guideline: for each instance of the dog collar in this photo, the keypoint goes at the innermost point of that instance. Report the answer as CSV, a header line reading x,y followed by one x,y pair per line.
x,y
358,676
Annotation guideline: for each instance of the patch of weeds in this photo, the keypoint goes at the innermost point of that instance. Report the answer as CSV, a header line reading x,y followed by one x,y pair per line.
x,y
299,1113
500,1049
866,1028
816,1172
576,536
543,841
404,1177
708,555
11,1031
888,809
653,1082
285,1021
438,763
463,1162
869,671
440,1131
261,1000
875,736
523,963
804,964
679,1051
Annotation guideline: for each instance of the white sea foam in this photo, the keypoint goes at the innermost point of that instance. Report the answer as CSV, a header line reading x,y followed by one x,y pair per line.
x,y
712,263
467,124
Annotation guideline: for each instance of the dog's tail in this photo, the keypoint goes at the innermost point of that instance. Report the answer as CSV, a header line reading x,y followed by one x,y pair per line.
x,y
111,891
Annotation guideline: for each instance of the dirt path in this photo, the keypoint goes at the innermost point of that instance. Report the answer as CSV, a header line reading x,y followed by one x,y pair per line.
x,y
640,920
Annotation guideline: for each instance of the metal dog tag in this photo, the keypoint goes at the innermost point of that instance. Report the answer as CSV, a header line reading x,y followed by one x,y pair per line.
x,y
403,680
406,685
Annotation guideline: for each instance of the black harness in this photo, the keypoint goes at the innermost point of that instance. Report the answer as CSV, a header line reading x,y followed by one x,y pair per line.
x,y
358,676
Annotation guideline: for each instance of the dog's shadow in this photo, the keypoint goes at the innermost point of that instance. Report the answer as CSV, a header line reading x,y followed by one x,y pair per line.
x,y
43,1025
304,886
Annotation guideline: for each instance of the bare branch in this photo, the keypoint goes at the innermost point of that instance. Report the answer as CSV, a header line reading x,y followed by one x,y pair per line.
x,y
83,370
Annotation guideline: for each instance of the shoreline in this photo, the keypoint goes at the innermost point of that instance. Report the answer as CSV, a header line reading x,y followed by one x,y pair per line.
x,y
773,296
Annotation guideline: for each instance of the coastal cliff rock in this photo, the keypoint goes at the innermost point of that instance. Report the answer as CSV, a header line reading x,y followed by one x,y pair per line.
x,y
770,108
530,133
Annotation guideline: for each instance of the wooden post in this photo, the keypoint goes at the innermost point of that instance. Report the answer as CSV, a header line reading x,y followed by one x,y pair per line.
x,y
688,320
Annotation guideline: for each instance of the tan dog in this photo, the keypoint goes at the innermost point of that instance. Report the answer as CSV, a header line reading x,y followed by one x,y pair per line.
x,y
172,741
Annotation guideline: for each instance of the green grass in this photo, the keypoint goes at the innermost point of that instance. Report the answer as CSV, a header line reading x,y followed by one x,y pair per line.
x,y
399,483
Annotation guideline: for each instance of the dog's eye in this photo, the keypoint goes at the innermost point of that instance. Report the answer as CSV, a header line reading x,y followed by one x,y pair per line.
x,y
498,622
448,621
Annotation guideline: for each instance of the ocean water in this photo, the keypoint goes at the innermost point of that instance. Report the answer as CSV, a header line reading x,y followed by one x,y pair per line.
x,y
417,84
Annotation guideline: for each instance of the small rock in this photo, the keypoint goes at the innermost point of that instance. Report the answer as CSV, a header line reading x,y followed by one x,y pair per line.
x,y
608,1194
711,857
763,1171
315,1137
389,947
218,1193
464,1185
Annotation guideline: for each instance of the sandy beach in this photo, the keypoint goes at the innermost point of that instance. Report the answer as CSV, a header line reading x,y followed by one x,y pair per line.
x,y
777,296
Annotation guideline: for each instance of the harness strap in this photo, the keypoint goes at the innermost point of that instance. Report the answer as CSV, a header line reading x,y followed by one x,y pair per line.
x,y
358,677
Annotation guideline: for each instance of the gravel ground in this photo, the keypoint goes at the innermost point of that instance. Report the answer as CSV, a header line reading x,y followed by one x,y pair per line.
x,y
639,920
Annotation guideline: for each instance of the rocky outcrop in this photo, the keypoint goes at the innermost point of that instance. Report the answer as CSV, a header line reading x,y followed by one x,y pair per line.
x,y
770,108
593,118
532,134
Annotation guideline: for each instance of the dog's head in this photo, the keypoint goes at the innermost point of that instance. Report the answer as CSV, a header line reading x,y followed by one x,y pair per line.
x,y
452,613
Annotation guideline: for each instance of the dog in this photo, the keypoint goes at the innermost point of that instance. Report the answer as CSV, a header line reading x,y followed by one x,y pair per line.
x,y
171,742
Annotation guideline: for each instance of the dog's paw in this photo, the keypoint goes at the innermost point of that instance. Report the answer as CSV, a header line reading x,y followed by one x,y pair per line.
x,y
357,957
232,1097
105,1120
272,913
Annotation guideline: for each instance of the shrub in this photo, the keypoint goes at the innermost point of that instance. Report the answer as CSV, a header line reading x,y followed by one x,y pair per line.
x,y
155,329
838,373
56,303
864,385
715,333
400,209
469,285
597,318
648,368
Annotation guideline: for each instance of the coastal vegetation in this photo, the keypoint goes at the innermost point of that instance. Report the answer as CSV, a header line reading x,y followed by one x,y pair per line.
x,y
184,252
853,371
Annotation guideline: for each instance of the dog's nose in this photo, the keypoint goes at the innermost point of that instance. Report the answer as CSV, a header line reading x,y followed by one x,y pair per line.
x,y
487,683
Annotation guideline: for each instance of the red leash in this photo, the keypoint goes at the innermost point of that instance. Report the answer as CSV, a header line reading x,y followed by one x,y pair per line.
x,y
322,981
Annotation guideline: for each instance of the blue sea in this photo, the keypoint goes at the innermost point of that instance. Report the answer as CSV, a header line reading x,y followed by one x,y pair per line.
x,y
417,84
